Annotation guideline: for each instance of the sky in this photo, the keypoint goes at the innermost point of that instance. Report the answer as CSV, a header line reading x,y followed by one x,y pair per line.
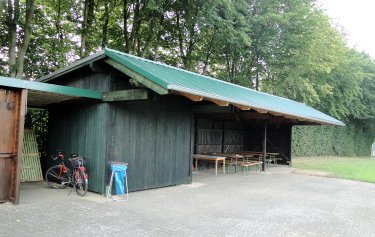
x,y
357,19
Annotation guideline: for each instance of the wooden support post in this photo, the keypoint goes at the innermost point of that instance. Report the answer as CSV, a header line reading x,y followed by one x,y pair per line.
x,y
17,160
264,147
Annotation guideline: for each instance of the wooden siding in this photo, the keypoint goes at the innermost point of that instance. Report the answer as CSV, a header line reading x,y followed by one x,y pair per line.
x,y
85,78
81,129
153,137
12,110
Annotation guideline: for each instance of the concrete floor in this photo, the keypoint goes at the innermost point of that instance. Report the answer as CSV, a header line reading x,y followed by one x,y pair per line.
x,y
276,203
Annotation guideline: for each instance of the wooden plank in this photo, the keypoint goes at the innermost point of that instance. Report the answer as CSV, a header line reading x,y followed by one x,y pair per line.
x,y
126,95
262,111
192,97
30,166
242,107
17,161
141,79
218,102
8,118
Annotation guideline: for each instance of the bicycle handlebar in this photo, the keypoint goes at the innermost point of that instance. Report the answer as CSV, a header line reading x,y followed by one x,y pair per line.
x,y
58,155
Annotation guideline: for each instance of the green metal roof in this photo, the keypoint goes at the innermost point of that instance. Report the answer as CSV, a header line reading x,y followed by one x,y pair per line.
x,y
177,79
41,94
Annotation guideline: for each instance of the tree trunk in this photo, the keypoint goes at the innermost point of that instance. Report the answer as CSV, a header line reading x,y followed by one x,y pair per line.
x,y
135,27
26,38
208,53
105,25
126,33
180,40
88,15
12,21
158,35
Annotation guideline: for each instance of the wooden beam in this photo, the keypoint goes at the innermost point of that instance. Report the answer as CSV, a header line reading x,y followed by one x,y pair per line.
x,y
126,95
290,117
209,108
275,113
242,107
218,102
262,111
189,96
141,79
21,107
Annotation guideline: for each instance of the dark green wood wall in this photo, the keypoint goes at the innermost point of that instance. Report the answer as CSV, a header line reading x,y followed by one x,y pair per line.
x,y
81,129
152,136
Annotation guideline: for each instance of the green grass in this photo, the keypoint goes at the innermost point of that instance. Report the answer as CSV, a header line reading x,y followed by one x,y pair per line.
x,y
354,168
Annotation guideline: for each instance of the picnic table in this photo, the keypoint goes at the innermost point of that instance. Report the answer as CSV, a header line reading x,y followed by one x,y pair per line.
x,y
238,160
209,158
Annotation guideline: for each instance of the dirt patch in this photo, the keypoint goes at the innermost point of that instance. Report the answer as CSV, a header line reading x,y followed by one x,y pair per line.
x,y
312,173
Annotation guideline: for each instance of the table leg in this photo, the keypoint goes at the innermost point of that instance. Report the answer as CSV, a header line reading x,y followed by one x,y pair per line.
x,y
216,167
224,166
196,164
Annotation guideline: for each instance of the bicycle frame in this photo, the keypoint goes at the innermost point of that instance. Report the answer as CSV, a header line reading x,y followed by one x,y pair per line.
x,y
70,173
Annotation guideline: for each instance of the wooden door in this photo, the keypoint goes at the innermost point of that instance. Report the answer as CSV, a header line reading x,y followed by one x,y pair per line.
x,y
12,113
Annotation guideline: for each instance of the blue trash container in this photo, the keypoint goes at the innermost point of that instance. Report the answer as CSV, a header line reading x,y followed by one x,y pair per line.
x,y
119,171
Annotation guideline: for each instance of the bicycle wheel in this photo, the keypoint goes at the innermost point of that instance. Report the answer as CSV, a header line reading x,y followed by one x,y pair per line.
x,y
80,182
56,177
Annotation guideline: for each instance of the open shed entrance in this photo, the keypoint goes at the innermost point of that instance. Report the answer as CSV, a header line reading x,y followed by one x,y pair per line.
x,y
246,135
227,136
15,96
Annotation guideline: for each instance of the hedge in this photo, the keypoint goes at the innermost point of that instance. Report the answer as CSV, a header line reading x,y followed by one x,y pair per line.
x,y
331,141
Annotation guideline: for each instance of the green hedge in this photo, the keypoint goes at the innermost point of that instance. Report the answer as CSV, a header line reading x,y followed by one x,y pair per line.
x,y
331,141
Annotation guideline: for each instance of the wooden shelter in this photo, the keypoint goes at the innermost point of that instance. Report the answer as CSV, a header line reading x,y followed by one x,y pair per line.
x,y
154,117
113,106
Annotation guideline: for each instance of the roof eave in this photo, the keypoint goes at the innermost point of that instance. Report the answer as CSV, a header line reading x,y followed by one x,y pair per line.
x,y
297,116
74,66
51,88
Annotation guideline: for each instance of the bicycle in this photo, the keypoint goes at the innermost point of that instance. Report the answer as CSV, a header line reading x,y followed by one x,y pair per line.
x,y
60,176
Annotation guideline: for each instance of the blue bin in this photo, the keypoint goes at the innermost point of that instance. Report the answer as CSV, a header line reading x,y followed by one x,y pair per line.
x,y
119,171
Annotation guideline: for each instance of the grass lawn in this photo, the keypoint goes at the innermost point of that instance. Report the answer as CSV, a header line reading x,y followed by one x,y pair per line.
x,y
354,168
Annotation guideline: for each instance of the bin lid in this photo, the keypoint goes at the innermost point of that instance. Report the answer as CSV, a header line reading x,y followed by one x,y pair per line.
x,y
119,167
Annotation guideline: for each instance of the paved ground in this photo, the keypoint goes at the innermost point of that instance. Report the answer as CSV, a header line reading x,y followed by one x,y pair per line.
x,y
277,203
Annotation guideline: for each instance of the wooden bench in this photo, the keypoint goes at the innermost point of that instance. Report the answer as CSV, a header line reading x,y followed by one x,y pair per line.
x,y
246,166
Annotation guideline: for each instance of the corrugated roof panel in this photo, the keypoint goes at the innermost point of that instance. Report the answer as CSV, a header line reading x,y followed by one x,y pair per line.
x,y
41,94
177,79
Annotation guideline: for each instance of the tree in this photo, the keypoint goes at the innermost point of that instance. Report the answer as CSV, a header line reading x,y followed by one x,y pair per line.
x,y
18,39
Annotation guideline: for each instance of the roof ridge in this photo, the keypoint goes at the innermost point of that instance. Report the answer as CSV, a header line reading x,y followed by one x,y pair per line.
x,y
197,74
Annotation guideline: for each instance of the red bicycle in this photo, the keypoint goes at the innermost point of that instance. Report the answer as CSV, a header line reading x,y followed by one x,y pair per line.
x,y
60,176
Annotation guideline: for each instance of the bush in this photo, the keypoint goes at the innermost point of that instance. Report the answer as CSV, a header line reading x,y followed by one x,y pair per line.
x,y
350,140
